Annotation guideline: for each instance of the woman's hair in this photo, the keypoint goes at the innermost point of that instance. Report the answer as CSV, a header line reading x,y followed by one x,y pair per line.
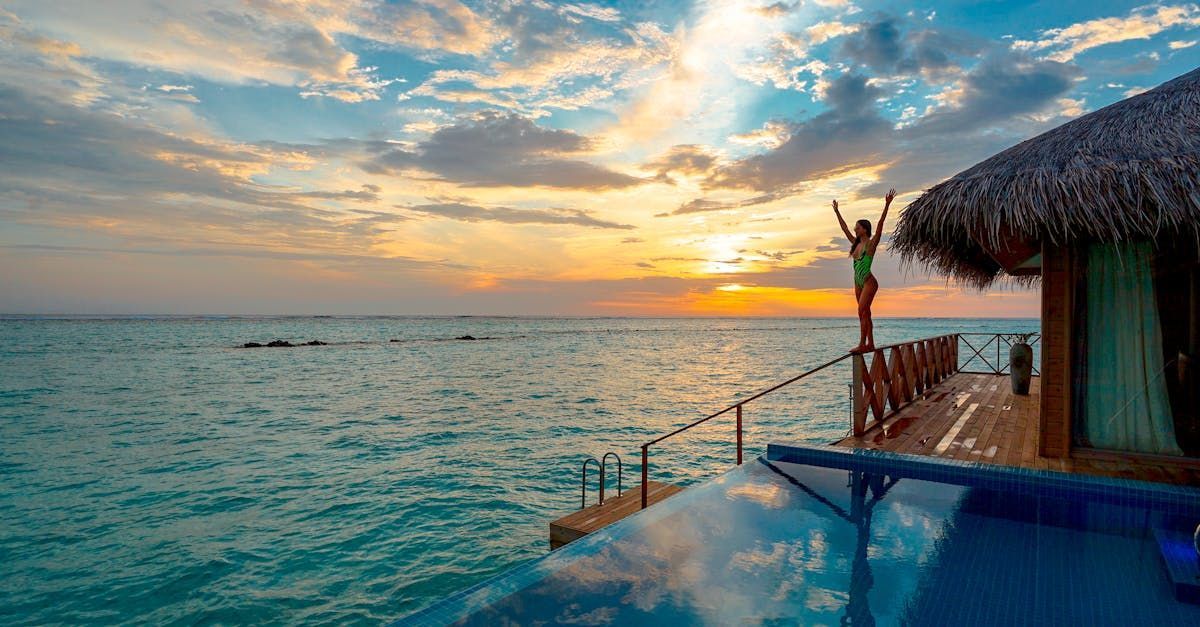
x,y
866,225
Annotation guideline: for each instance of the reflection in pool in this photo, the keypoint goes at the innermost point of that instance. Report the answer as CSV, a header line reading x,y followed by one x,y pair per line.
x,y
774,542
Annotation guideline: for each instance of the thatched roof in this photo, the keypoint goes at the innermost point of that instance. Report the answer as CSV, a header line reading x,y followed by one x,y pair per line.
x,y
1128,171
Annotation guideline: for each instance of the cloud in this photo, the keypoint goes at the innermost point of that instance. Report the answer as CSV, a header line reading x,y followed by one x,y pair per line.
x,y
291,44
845,136
557,60
777,9
704,205
882,46
770,135
685,159
45,65
501,150
1001,86
97,172
440,25
1004,98
475,213
788,57
1141,23
368,193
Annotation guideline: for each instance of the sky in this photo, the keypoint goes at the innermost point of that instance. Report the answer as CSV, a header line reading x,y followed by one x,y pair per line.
x,y
521,157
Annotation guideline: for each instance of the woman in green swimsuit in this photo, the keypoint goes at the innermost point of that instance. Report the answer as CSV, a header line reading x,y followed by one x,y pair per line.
x,y
862,253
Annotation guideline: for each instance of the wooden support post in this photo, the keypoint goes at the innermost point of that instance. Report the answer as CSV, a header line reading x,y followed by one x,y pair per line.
x,y
1058,331
858,401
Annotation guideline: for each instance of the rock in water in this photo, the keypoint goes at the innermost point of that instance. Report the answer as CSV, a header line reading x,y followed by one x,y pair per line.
x,y
280,344
314,343
251,345
466,337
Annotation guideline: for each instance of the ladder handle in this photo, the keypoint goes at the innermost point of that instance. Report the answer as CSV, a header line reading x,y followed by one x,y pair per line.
x,y
583,482
603,461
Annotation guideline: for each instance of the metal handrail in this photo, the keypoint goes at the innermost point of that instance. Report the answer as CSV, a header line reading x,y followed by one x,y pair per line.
x,y
737,407
603,464
583,482
999,367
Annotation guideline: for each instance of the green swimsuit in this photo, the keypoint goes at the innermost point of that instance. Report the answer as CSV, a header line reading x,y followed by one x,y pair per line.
x,y
862,269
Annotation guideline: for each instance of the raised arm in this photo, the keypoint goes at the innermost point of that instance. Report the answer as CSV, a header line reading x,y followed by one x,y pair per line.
x,y
887,203
845,229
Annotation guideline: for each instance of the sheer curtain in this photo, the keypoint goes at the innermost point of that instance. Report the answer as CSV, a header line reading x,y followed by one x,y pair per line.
x,y
1127,408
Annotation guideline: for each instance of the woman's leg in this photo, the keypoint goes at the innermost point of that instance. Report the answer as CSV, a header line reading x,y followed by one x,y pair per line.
x,y
865,298
862,326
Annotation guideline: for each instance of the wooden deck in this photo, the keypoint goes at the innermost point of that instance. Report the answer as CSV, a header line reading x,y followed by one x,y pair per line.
x,y
575,526
976,417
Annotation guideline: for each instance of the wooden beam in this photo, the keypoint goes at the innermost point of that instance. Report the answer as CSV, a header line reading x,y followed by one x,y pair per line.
x,y
1058,289
1015,252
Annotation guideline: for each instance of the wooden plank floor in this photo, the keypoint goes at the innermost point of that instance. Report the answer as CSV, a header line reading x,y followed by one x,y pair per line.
x,y
976,417
594,517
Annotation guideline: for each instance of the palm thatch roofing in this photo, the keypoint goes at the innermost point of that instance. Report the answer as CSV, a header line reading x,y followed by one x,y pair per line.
x,y
1128,171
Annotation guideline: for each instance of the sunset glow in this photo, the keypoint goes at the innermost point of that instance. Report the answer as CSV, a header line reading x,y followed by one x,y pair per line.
x,y
518,157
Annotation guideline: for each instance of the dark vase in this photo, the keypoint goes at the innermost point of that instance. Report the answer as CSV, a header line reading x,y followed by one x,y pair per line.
x,y
1020,366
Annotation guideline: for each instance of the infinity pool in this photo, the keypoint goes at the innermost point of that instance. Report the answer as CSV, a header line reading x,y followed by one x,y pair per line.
x,y
820,536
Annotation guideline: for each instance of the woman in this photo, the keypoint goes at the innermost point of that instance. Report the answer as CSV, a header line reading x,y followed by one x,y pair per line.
x,y
862,252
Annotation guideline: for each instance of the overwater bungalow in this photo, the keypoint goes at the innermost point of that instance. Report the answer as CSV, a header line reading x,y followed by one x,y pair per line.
x,y
996,478
1105,210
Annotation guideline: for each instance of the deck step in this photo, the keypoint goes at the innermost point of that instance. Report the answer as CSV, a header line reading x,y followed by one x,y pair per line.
x,y
1183,567
578,524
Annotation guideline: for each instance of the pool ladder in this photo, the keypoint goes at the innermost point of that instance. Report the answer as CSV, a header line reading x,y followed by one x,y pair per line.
x,y
601,465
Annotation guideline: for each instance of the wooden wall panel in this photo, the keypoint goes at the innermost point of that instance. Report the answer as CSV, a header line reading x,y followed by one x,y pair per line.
x,y
1057,307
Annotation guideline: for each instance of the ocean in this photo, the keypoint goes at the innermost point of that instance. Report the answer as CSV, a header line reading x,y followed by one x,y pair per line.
x,y
153,471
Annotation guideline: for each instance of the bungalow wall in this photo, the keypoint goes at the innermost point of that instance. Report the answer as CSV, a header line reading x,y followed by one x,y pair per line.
x,y
1178,269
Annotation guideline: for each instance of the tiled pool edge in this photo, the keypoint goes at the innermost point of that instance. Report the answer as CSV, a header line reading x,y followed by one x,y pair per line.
x,y
464,602
987,475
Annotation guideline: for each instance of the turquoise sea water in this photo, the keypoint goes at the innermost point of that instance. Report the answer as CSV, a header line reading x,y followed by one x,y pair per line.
x,y
152,471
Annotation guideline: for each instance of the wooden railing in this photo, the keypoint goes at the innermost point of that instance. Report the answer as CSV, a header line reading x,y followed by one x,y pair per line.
x,y
893,376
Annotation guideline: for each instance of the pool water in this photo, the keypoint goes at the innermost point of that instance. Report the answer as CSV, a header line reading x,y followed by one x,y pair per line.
x,y
882,539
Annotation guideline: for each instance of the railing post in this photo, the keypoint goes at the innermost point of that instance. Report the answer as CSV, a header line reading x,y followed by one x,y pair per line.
x,y
645,473
739,434
858,400
997,366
